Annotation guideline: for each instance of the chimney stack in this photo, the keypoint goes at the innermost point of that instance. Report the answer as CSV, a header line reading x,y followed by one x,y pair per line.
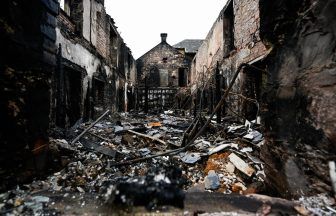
x,y
164,37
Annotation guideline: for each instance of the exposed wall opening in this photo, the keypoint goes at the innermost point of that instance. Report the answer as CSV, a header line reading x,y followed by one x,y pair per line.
x,y
65,6
73,94
131,99
182,77
87,114
129,62
121,98
69,91
113,46
164,79
252,87
98,91
153,78
228,29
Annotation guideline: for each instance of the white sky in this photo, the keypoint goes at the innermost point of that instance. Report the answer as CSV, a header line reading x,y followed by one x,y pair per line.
x,y
140,22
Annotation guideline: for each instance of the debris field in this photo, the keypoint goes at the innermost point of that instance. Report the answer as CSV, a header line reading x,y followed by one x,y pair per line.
x,y
127,160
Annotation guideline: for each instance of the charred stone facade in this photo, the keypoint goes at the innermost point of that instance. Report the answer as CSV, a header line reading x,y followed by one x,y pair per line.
x,y
96,69
163,71
161,65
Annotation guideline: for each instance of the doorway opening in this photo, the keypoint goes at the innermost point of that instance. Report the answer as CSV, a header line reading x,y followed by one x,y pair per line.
x,y
73,94
182,77
252,85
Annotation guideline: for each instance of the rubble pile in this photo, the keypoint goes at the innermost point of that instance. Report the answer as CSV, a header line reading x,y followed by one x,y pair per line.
x,y
228,160
105,163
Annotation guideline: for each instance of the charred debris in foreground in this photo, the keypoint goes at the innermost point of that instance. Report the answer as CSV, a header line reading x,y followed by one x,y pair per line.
x,y
224,160
162,180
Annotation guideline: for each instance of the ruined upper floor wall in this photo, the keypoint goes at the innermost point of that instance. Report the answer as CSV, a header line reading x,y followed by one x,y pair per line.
x,y
210,51
233,39
89,24
247,40
246,23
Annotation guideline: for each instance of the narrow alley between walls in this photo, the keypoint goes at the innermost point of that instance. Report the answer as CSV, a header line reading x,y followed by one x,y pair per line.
x,y
240,122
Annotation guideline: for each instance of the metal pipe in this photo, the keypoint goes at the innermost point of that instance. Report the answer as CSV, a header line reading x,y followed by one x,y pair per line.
x,y
91,126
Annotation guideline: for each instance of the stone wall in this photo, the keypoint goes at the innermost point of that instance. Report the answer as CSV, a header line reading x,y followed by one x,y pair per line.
x,y
162,64
208,54
300,120
246,31
233,39
96,8
66,23
103,33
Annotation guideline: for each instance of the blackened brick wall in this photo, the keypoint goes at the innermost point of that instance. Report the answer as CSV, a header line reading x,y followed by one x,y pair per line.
x,y
27,47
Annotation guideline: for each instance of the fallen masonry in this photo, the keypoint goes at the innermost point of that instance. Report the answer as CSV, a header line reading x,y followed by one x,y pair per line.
x,y
220,172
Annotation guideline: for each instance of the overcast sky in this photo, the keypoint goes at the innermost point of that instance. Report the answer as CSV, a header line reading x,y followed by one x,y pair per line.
x,y
140,22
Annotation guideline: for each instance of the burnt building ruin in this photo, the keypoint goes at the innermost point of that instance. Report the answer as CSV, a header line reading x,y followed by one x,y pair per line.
x,y
96,69
247,113
162,71
284,83
63,62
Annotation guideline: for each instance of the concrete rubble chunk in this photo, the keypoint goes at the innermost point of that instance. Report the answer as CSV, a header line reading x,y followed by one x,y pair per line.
x,y
118,128
212,181
191,158
230,168
241,165
36,203
81,190
62,143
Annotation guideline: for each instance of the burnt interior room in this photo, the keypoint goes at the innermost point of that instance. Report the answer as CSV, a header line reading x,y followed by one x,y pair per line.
x,y
100,115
